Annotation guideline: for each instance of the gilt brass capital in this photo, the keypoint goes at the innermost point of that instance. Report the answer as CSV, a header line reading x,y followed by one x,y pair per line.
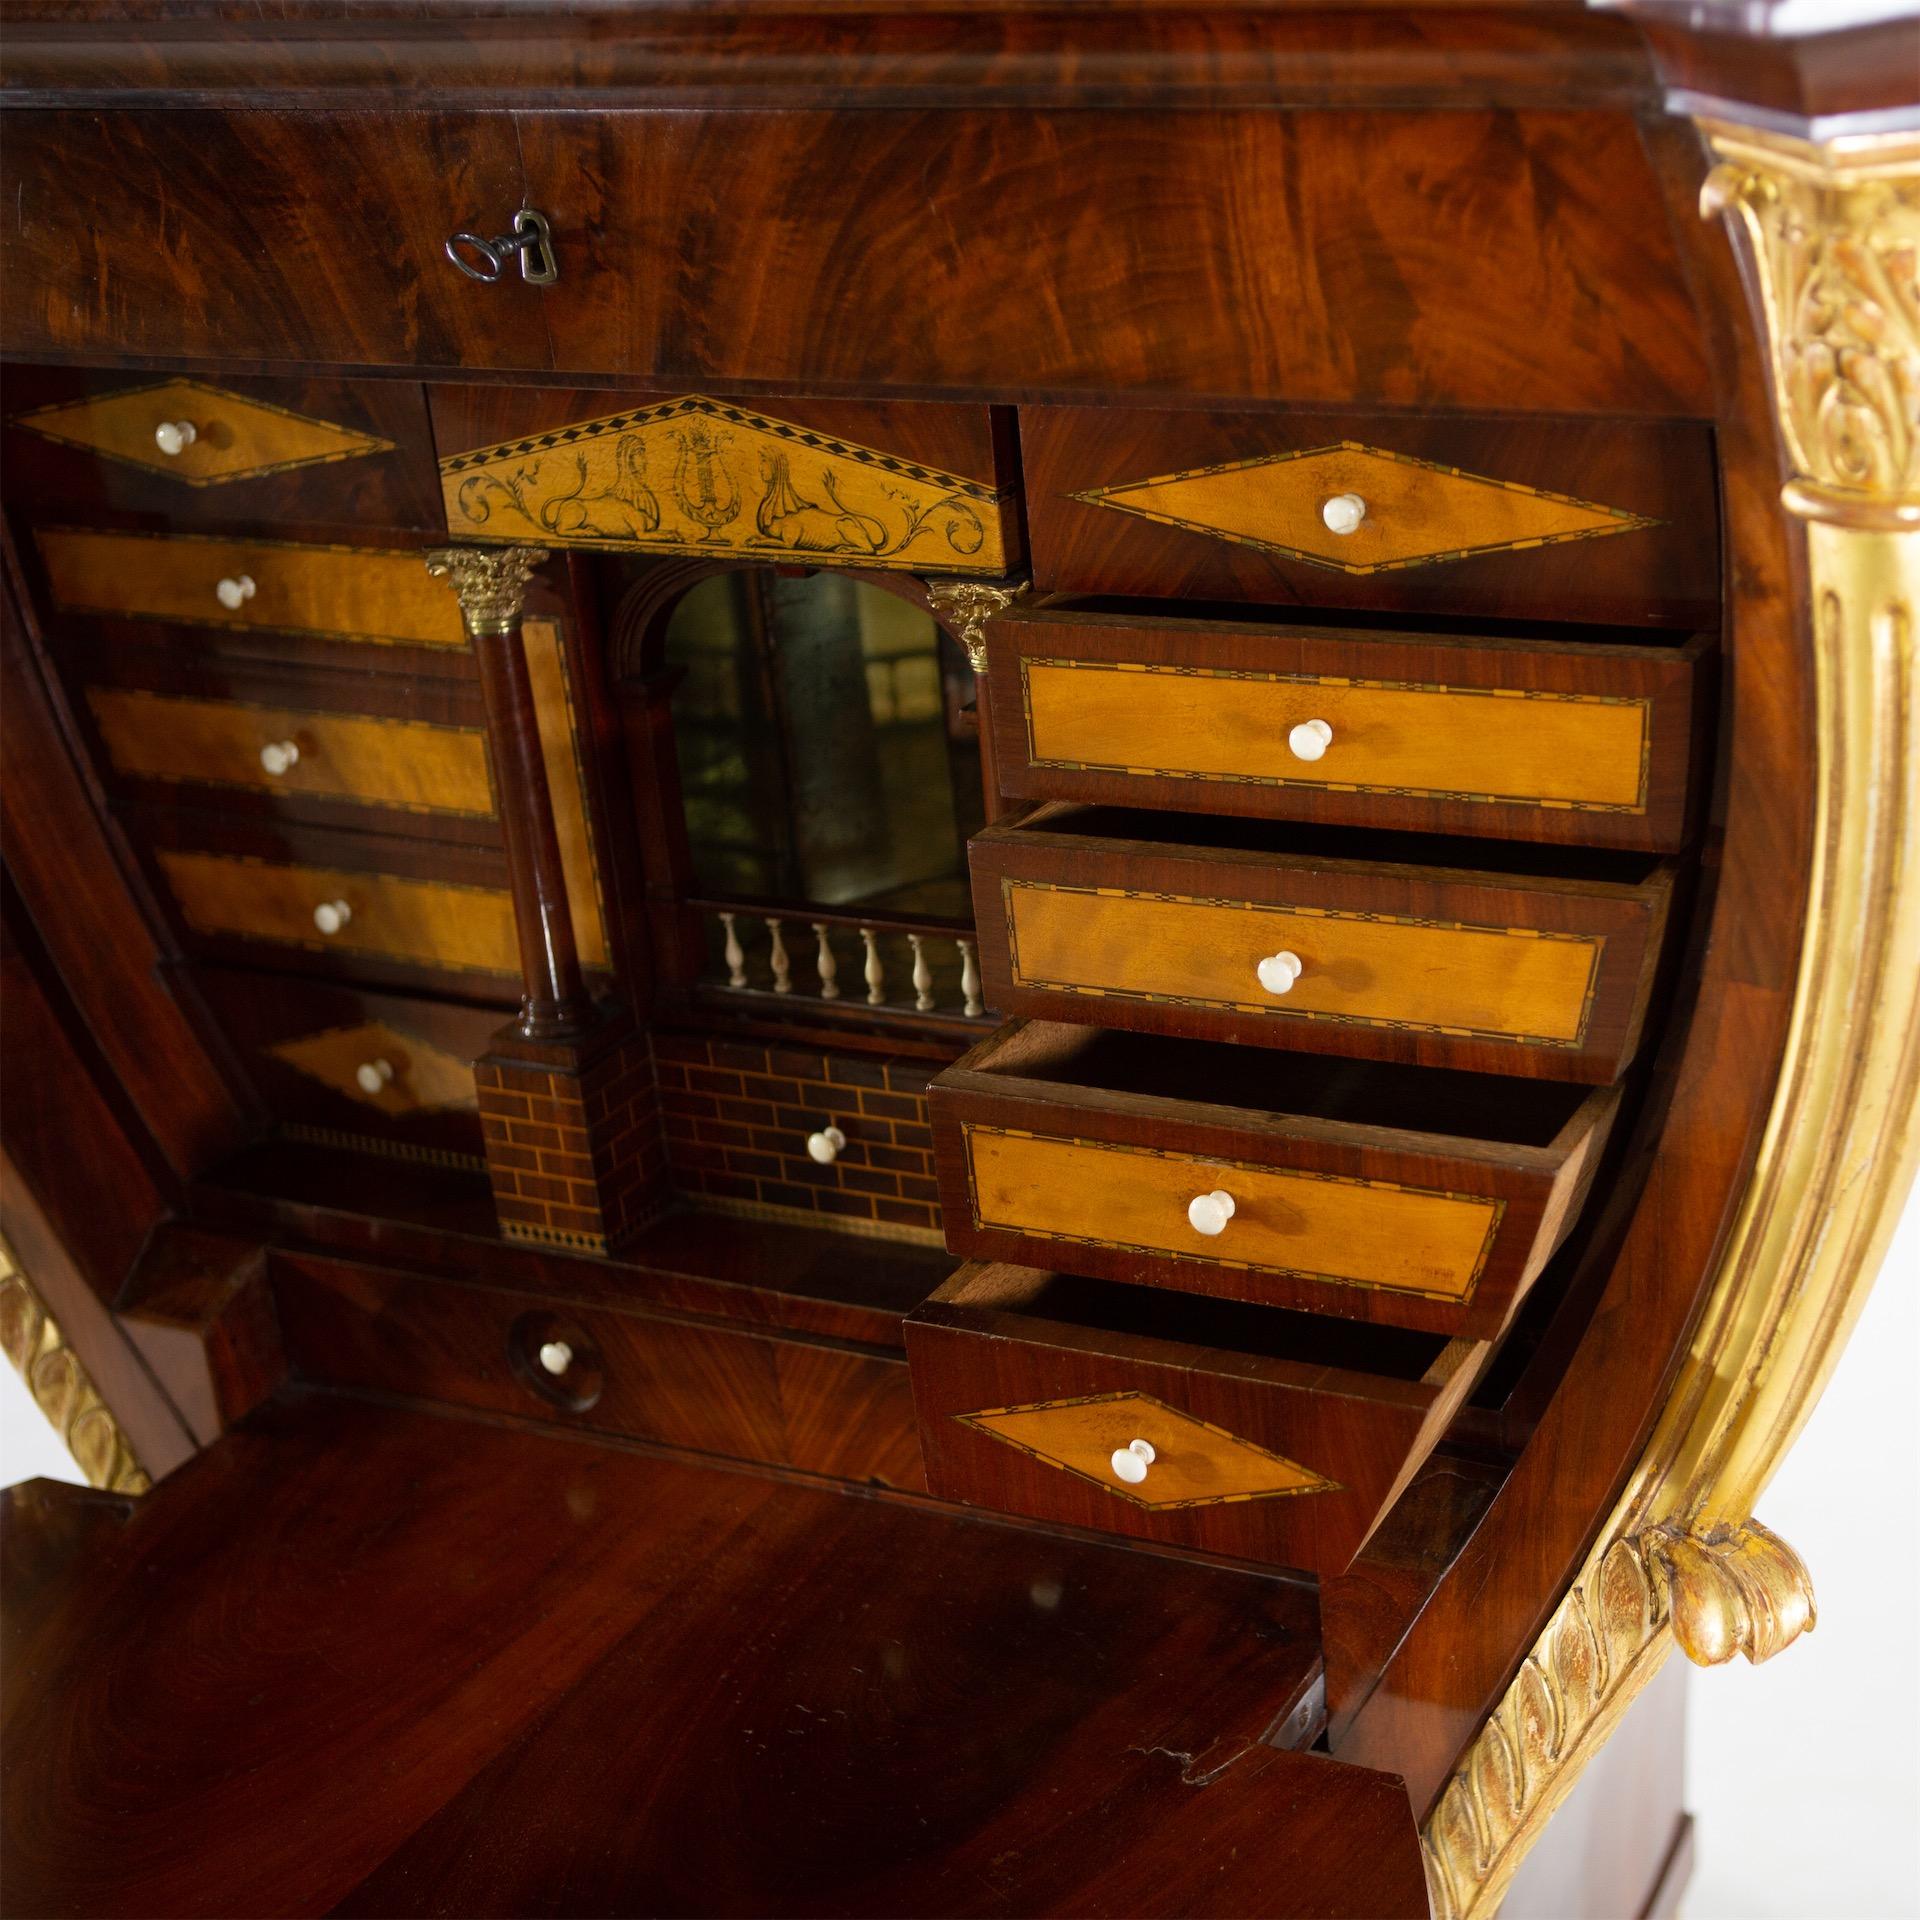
x,y
965,607
491,582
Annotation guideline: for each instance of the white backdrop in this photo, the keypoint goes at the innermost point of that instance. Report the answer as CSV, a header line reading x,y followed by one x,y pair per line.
x,y
1804,1774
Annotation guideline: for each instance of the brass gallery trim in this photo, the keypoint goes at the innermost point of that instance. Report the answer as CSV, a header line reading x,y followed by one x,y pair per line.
x,y
1305,783
362,444
339,1138
1090,990
1110,496
1313,1483
1832,234
1451,1297
62,1388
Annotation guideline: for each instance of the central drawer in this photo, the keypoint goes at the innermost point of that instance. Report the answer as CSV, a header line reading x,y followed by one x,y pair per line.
x,y
1462,954
1413,1197
1271,1436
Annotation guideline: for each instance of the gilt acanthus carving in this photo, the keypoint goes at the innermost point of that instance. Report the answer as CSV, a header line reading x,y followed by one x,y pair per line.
x,y
1836,248
1738,1590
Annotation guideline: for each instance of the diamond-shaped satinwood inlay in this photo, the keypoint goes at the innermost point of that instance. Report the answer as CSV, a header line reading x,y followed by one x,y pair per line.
x,y
1195,1464
702,476
1417,513
382,1068
234,437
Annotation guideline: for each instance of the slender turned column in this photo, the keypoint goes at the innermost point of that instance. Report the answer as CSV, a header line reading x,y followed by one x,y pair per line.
x,y
492,584
964,607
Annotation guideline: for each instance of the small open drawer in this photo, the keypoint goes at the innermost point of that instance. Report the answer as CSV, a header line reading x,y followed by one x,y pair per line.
x,y
1277,1437
1410,1198
1447,953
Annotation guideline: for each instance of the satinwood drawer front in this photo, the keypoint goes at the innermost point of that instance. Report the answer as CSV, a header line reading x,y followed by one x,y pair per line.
x,y
296,752
1584,741
1501,959
1418,1198
894,484
231,453
1535,519
382,596
1271,1436
336,1065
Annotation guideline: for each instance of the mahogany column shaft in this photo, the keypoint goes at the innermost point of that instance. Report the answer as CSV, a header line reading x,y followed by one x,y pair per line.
x,y
556,997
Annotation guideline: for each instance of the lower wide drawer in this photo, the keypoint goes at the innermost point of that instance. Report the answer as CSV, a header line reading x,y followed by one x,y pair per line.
x,y
1408,1197
1270,1436
600,1365
392,1073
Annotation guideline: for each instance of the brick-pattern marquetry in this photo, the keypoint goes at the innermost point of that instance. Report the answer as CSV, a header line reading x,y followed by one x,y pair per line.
x,y
577,1159
738,1114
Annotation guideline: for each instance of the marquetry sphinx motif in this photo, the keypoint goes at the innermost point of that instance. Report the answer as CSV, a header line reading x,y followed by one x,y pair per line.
x,y
693,475
380,1067
62,1387
1417,513
201,436
1194,1463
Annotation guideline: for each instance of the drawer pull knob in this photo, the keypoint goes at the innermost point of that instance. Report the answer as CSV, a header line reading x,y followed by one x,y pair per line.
x,y
1278,972
331,915
825,1145
1130,1463
1310,740
174,437
1343,513
235,591
531,241
556,1356
278,756
372,1075
1209,1213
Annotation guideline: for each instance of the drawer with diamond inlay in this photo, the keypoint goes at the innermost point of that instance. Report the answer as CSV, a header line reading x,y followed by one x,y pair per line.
x,y
1581,741
1270,1436
1458,953
1415,1197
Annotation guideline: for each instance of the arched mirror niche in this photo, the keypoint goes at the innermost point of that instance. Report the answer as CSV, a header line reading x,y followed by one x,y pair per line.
x,y
807,752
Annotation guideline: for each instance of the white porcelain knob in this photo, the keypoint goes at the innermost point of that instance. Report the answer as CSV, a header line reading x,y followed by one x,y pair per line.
x,y
277,756
174,436
1343,513
1278,972
1209,1213
235,591
331,915
825,1145
556,1356
372,1075
1130,1463
1310,739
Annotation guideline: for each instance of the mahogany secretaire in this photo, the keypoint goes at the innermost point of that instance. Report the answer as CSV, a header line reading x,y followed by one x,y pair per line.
x,y
958,958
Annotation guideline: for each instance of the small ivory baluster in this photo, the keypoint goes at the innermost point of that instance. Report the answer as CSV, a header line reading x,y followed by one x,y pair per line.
x,y
782,966
829,987
736,955
876,974
922,973
970,980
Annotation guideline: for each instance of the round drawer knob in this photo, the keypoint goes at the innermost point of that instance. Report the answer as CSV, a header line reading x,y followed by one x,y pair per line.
x,y
556,1356
372,1075
174,437
1130,1463
1310,740
1278,972
331,915
235,591
1209,1213
1343,513
825,1145
279,756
